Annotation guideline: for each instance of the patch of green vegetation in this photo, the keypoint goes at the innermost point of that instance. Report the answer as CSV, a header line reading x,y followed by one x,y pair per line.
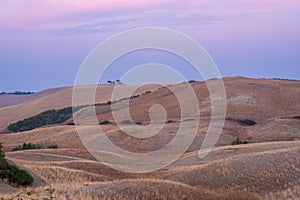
x,y
134,96
237,141
26,146
104,122
147,92
127,121
52,146
12,173
45,118
247,122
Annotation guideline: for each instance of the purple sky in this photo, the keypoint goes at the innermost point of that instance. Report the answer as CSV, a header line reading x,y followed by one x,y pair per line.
x,y
44,42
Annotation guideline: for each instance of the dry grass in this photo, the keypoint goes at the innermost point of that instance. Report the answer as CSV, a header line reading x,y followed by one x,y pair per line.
x,y
292,193
136,189
270,167
55,174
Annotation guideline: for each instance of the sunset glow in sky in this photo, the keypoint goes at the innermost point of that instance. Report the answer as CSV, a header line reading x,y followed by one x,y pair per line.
x,y
44,42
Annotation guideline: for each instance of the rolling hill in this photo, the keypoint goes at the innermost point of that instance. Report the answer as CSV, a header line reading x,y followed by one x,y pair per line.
x,y
267,167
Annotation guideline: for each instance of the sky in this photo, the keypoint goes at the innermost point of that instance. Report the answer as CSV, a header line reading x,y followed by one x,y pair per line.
x,y
43,43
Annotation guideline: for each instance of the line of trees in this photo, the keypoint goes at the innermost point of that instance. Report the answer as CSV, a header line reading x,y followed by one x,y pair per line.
x,y
17,93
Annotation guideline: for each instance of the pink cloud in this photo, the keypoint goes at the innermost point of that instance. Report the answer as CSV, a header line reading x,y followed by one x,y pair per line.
x,y
20,12
37,13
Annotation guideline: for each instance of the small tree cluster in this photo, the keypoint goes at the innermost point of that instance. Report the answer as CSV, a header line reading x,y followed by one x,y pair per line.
x,y
12,173
114,82
104,122
45,118
247,122
237,141
52,146
26,146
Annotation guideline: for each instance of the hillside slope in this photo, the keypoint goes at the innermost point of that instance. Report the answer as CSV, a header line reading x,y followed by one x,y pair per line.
x,y
268,167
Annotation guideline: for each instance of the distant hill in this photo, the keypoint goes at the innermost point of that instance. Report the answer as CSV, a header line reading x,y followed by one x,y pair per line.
x,y
9,99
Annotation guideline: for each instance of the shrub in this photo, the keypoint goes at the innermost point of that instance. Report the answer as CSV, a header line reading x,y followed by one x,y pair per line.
x,y
104,122
237,141
126,121
12,173
297,117
135,96
247,122
18,176
52,147
229,119
26,146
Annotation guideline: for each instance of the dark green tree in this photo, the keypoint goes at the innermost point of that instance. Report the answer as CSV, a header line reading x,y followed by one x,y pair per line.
x,y
12,173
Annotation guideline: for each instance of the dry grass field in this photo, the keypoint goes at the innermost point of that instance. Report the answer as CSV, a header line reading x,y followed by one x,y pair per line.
x,y
268,167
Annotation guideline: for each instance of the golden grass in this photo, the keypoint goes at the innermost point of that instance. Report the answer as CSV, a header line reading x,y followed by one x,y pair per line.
x,y
292,193
252,168
135,189
270,169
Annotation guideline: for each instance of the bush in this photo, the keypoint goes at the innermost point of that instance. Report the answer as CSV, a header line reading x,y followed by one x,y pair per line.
x,y
229,119
104,122
135,96
247,122
297,117
12,173
18,176
52,147
126,121
237,141
26,146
